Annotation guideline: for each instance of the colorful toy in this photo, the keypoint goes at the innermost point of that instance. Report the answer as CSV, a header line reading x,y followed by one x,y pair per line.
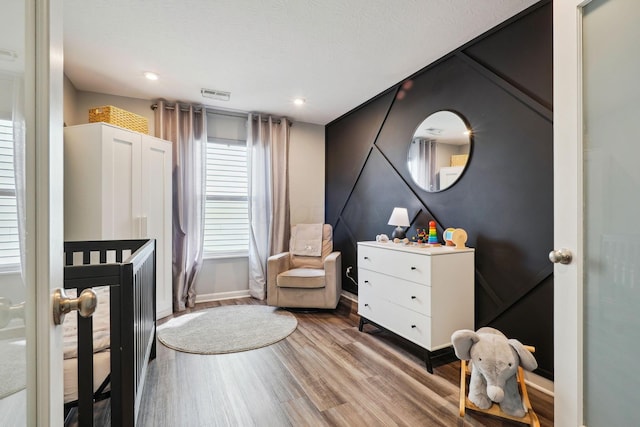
x,y
447,236
433,236
455,237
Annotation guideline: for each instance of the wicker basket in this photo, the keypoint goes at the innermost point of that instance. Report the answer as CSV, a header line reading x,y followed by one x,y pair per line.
x,y
119,117
459,159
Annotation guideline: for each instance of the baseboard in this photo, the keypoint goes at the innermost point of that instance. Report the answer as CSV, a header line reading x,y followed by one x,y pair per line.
x,y
219,296
349,303
349,296
164,313
541,384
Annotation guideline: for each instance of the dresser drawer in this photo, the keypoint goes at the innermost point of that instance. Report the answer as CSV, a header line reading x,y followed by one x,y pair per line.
x,y
405,265
411,295
408,324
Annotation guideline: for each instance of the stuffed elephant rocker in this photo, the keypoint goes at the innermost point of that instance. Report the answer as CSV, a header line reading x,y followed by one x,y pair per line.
x,y
494,361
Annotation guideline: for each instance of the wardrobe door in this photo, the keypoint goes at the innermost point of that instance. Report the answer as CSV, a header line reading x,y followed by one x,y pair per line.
x,y
156,218
83,182
121,186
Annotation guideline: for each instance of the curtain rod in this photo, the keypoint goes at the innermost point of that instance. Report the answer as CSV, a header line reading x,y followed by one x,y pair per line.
x,y
172,106
154,106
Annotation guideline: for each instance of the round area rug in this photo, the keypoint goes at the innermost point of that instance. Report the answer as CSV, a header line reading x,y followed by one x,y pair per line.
x,y
227,329
13,367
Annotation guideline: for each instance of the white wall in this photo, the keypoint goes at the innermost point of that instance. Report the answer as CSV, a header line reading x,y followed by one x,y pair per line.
x,y
222,278
229,277
70,95
306,173
79,113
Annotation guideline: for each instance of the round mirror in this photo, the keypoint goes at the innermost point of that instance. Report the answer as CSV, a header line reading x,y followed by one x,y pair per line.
x,y
439,151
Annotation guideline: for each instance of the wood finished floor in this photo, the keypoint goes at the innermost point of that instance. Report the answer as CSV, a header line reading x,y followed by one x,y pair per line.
x,y
326,373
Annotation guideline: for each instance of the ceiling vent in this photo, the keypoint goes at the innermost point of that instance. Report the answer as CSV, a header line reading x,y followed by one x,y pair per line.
x,y
216,94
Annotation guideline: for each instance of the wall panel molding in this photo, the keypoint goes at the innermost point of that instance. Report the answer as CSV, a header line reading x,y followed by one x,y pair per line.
x,y
504,199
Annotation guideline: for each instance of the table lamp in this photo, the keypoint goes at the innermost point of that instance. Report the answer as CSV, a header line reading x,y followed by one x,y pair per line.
x,y
399,218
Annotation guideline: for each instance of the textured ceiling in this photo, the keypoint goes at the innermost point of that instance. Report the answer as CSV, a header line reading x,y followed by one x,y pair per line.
x,y
334,53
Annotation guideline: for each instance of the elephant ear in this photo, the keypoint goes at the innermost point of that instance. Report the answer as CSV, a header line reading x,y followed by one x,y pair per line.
x,y
527,361
462,341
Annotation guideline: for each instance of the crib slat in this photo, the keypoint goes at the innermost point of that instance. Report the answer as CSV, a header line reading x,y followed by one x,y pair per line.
x,y
116,360
85,370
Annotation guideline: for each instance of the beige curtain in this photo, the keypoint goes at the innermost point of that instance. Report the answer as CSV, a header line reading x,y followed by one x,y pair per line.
x,y
269,223
186,127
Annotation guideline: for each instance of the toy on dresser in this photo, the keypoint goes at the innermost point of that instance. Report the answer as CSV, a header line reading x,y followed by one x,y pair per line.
x,y
427,237
455,237
433,235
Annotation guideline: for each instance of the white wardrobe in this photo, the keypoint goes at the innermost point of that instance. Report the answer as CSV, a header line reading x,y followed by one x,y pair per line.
x,y
118,185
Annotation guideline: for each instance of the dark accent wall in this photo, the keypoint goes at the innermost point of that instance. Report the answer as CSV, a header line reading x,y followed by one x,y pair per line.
x,y
501,83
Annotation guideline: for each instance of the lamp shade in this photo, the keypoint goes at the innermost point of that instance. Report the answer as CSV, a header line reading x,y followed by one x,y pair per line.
x,y
399,217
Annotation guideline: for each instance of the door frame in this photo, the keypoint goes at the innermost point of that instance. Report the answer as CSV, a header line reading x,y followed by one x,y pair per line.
x,y
44,210
568,211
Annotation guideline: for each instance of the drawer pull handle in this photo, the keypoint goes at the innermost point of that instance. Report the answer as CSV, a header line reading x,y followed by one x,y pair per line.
x,y
413,268
366,281
366,257
366,305
414,326
413,297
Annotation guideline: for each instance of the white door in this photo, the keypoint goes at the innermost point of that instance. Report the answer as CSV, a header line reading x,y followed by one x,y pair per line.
x,y
30,211
121,206
597,207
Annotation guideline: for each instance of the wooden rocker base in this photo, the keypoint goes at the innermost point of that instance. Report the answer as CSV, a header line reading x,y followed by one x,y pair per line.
x,y
529,418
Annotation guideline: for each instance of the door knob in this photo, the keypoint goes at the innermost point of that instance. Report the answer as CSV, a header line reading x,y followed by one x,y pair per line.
x,y
62,304
562,256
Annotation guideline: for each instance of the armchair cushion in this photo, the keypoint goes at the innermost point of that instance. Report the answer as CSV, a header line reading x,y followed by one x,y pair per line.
x,y
301,278
300,261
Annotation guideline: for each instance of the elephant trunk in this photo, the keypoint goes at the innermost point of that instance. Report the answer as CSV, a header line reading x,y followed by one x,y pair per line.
x,y
495,393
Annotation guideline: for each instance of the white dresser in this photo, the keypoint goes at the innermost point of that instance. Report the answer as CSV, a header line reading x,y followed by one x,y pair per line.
x,y
422,294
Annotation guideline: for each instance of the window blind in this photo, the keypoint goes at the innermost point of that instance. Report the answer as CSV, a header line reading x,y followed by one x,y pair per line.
x,y
226,229
9,243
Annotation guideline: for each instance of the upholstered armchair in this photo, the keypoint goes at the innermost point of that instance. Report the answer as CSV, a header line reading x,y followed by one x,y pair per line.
x,y
309,275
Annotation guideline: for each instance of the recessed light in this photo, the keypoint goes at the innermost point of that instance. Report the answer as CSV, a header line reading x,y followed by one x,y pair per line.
x,y
299,101
151,76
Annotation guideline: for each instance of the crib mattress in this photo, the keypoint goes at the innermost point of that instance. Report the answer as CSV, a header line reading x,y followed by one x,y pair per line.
x,y
101,369
101,341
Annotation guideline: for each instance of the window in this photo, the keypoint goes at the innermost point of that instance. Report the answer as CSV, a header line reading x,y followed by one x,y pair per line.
x,y
9,243
226,225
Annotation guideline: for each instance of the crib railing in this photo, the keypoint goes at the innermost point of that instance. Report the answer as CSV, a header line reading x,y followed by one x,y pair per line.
x,y
128,268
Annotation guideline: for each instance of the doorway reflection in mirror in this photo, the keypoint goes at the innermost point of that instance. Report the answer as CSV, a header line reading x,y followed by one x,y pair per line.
x,y
439,151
